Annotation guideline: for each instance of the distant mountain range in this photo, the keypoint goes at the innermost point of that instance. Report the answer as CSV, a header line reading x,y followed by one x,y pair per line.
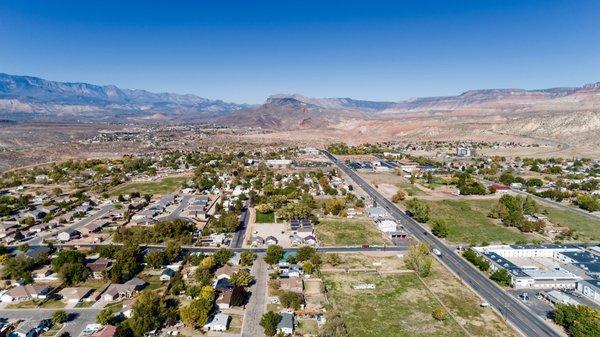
x,y
32,98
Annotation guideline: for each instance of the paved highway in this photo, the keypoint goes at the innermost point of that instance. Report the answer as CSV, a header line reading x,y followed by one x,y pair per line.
x,y
511,309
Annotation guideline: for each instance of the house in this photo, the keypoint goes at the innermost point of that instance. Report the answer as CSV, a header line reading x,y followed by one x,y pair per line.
x,y
26,293
222,284
292,284
35,252
271,240
106,331
293,270
44,273
220,322
167,274
376,212
99,267
286,325
137,283
310,240
225,272
68,235
224,299
38,228
126,290
296,240
499,188
93,227
257,241
74,294
30,328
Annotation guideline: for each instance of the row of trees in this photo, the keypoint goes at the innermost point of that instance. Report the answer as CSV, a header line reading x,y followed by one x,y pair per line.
x,y
179,230
512,210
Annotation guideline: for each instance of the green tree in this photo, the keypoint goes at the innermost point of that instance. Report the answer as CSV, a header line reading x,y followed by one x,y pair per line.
x,y
305,253
68,256
290,299
147,313
73,272
439,314
247,258
418,258
172,250
59,317
155,259
241,278
440,228
105,316
223,255
418,209
588,203
274,254
501,276
196,313
127,265
578,321
269,323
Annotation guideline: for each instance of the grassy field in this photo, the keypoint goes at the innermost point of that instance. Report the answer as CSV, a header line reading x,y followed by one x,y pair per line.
x,y
307,327
401,305
411,190
265,217
468,222
165,186
587,229
348,232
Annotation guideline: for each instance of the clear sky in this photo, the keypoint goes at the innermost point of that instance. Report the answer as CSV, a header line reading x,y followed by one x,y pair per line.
x,y
245,51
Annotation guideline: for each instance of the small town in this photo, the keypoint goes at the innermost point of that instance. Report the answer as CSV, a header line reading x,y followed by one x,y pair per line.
x,y
272,241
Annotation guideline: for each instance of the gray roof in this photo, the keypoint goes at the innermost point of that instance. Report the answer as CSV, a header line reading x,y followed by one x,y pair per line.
x,y
287,321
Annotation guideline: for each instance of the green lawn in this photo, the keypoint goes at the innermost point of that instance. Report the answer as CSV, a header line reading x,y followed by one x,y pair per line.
x,y
587,229
399,306
165,186
265,217
53,304
411,190
348,232
468,222
307,326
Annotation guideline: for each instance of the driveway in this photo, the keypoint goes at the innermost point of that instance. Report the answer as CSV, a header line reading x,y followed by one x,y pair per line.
x,y
257,305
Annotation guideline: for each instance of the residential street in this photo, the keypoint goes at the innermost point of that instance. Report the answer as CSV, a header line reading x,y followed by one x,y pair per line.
x,y
102,211
257,305
80,317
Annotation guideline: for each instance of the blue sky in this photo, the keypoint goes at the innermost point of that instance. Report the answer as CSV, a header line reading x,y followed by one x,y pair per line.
x,y
244,51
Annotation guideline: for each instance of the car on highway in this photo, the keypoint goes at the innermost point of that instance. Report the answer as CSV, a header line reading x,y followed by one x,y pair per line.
x,y
436,252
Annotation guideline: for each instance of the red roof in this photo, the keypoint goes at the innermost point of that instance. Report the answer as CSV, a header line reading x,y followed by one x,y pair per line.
x,y
499,187
107,331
